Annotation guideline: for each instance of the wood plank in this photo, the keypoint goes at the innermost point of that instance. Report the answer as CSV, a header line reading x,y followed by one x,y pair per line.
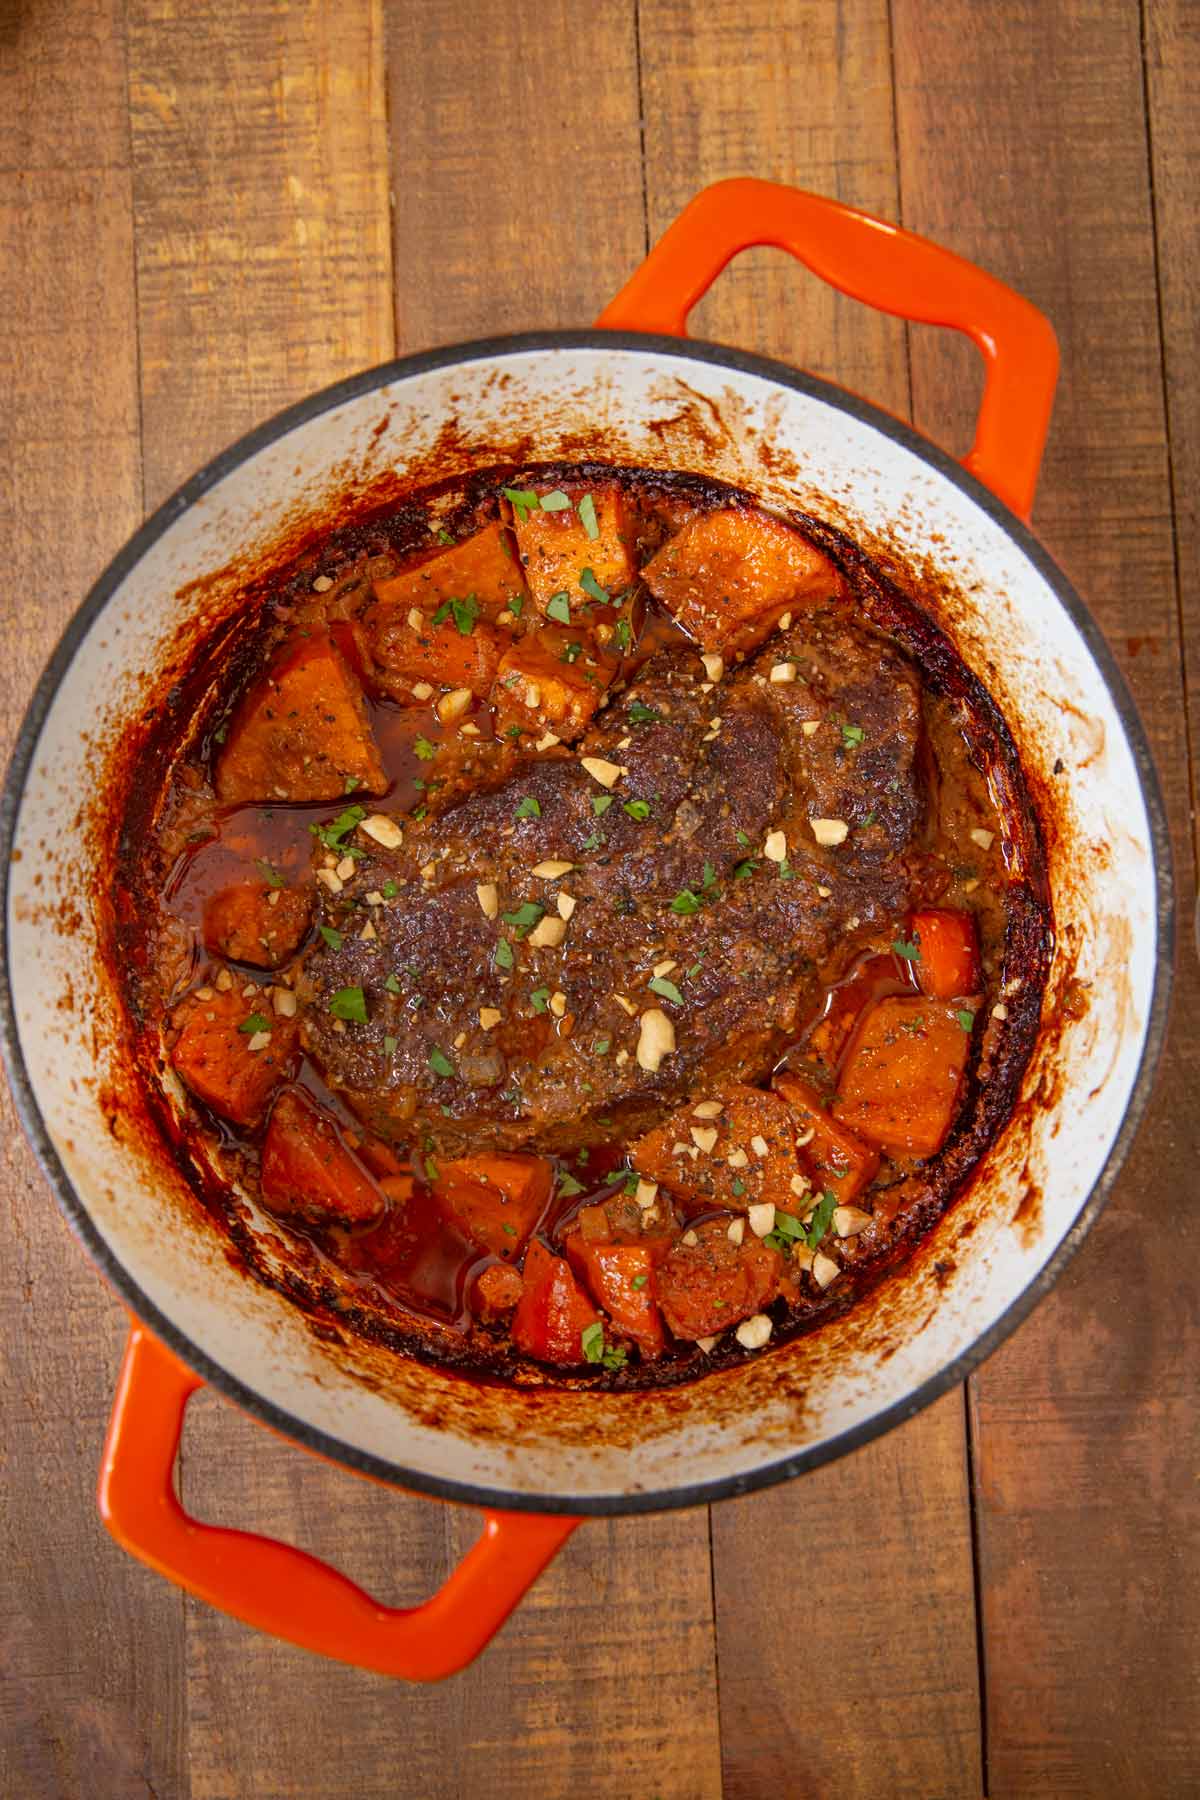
x,y
1172,53
807,98
516,165
75,1718
1023,144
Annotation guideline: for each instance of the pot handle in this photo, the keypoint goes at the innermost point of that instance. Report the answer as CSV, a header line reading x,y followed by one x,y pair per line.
x,y
888,268
282,1590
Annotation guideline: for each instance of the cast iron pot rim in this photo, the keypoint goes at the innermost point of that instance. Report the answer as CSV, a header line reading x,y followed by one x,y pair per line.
x,y
689,1493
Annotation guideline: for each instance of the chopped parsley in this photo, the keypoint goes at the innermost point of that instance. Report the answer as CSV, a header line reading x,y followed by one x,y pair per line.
x,y
572,653
390,1045
822,1217
440,1063
444,536
867,822
637,809
525,917
558,608
350,1003
737,1186
331,835
389,890
503,958
464,613
623,633
516,605
425,750
743,840
592,588
524,501
686,902
332,938
540,999
632,1181
270,875
786,871
255,1023
528,808
638,714
593,841
587,516
591,1341
743,869
418,812
567,1186
601,804
852,736
392,984
601,1046
555,501
910,952
615,1357
668,990
965,1017
639,1282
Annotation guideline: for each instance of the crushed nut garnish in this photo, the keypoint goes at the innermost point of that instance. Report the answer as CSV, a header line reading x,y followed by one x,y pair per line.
x,y
830,831
782,672
259,1041
345,869
460,1040
322,584
488,896
223,981
714,665
606,773
489,1018
330,880
551,870
548,932
704,1137
758,1144
736,1231
754,1332
656,1041
848,1221
422,690
810,727
775,847
647,1193
737,1159
547,740
761,1218
985,839
453,705
565,903
708,1109
664,968
416,619
368,933
385,831
824,1269
284,1002
999,1011
690,1239
558,1003
625,1005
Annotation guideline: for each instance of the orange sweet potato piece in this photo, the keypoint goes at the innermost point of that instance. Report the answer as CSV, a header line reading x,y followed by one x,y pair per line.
x,y
484,565
723,571
748,1121
901,1084
553,1311
541,684
255,922
555,547
213,1054
833,1156
706,1286
496,1292
301,732
948,965
494,1199
308,1169
621,1278
438,653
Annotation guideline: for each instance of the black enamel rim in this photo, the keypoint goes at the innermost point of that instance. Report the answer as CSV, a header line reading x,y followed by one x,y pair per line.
x,y
229,1384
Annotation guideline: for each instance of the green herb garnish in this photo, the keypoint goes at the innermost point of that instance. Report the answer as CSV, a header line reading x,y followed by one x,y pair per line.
x,y
528,808
332,938
601,1046
592,588
425,750
516,605
601,804
525,917
591,1341
568,1186
572,653
270,875
587,516
639,1282
822,1216
389,890
737,1186
623,632
350,1003
255,1023
540,999
444,536
686,902
965,1018
524,501
558,608
637,809
910,952
668,990
331,835
440,1063
464,613
743,869
555,501
503,958
852,736
638,714
392,984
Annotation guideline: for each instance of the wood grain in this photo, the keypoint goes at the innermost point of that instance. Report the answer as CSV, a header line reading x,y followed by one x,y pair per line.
x,y
1023,144
90,1644
886,1597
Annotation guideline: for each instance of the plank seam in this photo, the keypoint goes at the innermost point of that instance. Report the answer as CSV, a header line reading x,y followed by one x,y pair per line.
x,y
976,1587
891,33
641,125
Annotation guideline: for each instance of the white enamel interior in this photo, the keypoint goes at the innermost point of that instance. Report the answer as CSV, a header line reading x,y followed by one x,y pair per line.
x,y
1041,673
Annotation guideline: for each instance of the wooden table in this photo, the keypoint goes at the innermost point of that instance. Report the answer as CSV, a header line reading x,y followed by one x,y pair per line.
x,y
209,210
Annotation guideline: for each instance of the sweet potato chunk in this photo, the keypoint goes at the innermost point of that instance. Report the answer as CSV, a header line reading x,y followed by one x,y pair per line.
x,y
709,1284
621,1278
495,1200
484,566
948,964
552,679
438,653
555,547
496,1292
301,733
833,1156
754,1128
901,1084
218,1053
725,571
254,922
308,1169
553,1311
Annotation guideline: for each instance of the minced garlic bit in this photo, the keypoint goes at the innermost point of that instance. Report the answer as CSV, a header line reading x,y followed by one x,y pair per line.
x,y
805,1137
810,727
505,618
204,993
223,981
824,1269
368,933
737,1159
558,1003
625,1005
736,1231
848,1221
656,1041
606,773
416,619
704,1137
761,1218
647,1193
328,879
489,1018
385,831
488,896
566,904
551,870
708,1109
775,847
428,870
422,690
532,695
548,932
754,1332
664,968
690,1239
547,740
259,1041
785,621
985,839
460,1040
758,1144
830,831
999,1011
782,672
824,892
453,705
